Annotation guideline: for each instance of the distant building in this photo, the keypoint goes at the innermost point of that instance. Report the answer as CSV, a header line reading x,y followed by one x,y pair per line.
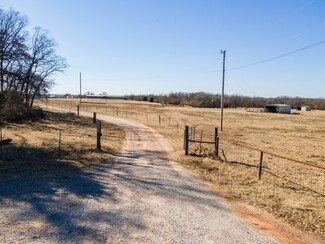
x,y
106,97
304,108
56,95
278,108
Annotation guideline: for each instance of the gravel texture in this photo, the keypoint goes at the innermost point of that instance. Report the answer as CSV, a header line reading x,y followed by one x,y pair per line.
x,y
141,197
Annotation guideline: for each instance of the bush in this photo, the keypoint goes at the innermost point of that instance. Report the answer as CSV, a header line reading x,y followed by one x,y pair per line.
x,y
13,108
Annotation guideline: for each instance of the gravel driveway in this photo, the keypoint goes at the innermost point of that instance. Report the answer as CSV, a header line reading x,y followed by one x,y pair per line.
x,y
141,197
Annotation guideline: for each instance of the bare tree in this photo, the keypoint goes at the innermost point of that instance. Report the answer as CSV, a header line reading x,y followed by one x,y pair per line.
x,y
41,65
12,43
27,65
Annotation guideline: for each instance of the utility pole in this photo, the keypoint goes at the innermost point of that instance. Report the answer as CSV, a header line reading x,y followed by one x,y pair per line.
x,y
223,52
80,86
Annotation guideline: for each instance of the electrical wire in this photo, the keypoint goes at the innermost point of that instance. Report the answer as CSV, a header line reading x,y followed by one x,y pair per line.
x,y
295,11
276,57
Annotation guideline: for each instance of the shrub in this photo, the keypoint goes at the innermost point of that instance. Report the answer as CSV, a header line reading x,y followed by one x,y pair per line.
x,y
13,108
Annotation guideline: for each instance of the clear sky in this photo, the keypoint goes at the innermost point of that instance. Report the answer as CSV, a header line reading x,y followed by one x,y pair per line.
x,y
162,46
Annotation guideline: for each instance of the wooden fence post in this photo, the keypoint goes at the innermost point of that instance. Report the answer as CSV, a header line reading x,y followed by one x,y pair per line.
x,y
59,143
78,109
159,120
216,142
99,134
186,140
116,111
94,118
260,167
0,144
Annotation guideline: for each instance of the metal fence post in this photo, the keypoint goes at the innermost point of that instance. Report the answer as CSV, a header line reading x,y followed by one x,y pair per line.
x,y
260,167
94,118
159,120
186,140
216,142
99,134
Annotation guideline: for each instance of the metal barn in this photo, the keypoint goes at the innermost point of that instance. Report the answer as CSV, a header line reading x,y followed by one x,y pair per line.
x,y
306,108
278,108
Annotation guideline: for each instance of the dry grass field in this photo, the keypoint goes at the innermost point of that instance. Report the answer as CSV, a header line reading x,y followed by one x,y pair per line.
x,y
35,145
288,190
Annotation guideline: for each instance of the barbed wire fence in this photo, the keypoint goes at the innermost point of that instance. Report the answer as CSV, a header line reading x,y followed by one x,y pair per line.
x,y
110,110
58,142
264,164
303,175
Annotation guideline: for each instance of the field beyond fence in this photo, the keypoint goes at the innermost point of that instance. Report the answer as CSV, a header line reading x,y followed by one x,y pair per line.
x,y
304,175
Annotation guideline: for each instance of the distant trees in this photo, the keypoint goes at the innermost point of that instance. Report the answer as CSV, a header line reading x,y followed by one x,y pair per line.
x,y
87,93
28,63
208,100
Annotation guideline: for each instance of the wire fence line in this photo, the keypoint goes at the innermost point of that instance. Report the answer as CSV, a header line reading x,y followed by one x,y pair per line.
x,y
265,164
59,143
110,110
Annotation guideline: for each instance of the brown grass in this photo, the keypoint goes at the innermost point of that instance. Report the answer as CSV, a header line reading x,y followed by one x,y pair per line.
x,y
35,145
284,189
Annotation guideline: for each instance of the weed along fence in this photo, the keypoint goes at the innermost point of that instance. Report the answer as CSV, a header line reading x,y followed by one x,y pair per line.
x,y
264,164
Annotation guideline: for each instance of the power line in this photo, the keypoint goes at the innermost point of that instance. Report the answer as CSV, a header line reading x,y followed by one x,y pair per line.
x,y
277,57
295,12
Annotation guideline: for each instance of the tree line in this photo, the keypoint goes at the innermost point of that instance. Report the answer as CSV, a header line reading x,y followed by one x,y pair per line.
x,y
28,61
208,100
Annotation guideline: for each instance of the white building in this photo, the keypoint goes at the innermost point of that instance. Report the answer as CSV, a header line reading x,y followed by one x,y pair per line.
x,y
278,108
306,108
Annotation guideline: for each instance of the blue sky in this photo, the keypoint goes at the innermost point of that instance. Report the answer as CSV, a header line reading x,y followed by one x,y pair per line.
x,y
162,46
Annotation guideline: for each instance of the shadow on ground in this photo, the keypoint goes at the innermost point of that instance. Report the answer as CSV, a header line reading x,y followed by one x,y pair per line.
x,y
54,200
67,205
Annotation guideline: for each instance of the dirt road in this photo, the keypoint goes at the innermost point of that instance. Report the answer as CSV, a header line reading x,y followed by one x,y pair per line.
x,y
141,197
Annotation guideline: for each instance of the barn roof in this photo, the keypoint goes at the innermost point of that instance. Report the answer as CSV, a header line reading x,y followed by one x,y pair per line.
x,y
276,105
